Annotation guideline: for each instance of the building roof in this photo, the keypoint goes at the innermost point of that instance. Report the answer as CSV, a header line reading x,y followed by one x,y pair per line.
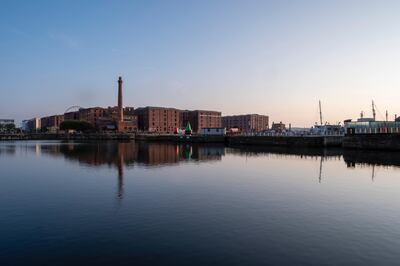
x,y
244,115
157,107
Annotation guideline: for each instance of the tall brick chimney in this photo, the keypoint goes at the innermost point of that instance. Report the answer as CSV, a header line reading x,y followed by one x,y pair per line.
x,y
120,105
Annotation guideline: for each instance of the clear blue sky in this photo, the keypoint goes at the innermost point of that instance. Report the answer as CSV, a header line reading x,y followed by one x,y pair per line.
x,y
269,57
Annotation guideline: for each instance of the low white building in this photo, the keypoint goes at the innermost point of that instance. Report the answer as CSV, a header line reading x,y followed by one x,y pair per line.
x,y
213,131
327,130
7,121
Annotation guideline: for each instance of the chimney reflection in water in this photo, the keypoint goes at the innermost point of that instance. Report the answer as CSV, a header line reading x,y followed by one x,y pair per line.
x,y
120,165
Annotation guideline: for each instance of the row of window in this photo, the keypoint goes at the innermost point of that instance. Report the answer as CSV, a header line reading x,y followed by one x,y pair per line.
x,y
373,130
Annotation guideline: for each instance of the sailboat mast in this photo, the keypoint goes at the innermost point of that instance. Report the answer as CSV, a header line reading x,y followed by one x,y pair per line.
x,y
373,110
320,113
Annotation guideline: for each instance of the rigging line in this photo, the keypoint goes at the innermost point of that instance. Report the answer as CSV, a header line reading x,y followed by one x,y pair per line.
x,y
376,107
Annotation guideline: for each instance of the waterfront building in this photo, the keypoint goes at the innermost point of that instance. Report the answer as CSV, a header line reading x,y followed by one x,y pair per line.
x,y
278,127
32,125
371,127
327,130
128,119
200,119
24,125
71,116
92,114
122,119
213,131
105,118
246,123
129,122
158,119
51,123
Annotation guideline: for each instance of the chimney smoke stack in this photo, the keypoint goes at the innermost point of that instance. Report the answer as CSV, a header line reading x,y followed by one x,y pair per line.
x,y
120,103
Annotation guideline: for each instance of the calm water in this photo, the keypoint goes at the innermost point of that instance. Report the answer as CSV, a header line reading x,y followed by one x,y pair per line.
x,y
166,204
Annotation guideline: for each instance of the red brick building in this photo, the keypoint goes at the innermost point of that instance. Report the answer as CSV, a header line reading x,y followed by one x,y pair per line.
x,y
71,116
106,118
92,114
150,119
158,119
246,123
118,118
51,123
201,119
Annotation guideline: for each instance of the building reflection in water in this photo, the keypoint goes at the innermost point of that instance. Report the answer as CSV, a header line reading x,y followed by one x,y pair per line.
x,y
352,158
130,154
7,149
371,159
318,154
120,155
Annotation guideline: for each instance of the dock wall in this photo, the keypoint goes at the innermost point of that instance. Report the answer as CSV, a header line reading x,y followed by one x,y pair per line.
x,y
289,141
372,141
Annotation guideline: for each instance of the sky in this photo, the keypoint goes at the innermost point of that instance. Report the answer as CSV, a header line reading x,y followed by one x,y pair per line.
x,y
277,58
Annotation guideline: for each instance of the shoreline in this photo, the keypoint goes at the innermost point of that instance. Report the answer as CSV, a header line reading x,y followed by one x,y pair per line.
x,y
384,142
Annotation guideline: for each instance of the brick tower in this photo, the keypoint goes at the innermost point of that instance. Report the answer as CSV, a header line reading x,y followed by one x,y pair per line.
x,y
120,103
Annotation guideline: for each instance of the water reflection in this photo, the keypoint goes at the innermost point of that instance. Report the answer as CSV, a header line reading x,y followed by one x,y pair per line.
x,y
371,159
322,155
287,151
352,158
7,149
208,204
355,158
120,155
129,154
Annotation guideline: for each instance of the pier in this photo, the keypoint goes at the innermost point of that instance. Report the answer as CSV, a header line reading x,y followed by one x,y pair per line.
x,y
288,141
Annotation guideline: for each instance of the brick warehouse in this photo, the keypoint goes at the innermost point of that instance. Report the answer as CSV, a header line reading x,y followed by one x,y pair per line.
x,y
201,119
128,119
246,123
158,119
51,123
121,118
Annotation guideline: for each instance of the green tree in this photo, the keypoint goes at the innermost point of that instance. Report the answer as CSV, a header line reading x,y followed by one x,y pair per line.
x,y
9,127
77,125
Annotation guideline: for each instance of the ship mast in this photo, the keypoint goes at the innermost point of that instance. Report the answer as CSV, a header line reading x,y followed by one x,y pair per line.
x,y
320,113
373,110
